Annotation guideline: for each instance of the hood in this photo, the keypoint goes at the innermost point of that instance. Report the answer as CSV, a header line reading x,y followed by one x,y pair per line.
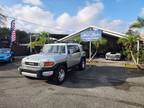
x,y
4,54
42,57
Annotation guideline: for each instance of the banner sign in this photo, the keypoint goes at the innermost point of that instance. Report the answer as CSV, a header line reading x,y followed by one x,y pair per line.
x,y
89,35
13,31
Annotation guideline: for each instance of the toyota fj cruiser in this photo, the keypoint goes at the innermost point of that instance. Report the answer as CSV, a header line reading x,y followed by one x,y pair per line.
x,y
54,60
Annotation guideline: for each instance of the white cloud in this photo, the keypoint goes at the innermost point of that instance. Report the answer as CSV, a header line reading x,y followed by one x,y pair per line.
x,y
90,12
116,25
65,23
32,14
142,12
84,17
33,2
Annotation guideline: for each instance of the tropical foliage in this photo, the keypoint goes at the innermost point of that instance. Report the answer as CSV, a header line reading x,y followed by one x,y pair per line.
x,y
77,39
2,18
129,43
97,43
139,23
141,55
21,36
40,40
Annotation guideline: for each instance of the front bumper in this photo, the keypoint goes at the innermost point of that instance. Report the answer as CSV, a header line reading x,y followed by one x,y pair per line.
x,y
5,59
42,73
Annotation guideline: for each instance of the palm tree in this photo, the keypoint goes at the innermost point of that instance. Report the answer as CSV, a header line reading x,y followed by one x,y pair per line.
x,y
40,40
129,42
98,42
78,39
3,18
139,23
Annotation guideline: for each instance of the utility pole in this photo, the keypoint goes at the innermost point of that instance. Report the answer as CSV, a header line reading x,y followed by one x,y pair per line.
x,y
30,42
138,48
89,50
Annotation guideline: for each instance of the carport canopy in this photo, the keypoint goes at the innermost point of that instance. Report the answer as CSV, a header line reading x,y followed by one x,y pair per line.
x,y
105,31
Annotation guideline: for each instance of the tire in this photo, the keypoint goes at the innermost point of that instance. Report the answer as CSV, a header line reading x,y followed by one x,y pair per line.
x,y
10,60
59,75
82,64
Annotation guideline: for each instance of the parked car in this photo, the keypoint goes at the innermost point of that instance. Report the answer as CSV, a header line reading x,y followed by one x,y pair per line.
x,y
54,60
112,56
6,55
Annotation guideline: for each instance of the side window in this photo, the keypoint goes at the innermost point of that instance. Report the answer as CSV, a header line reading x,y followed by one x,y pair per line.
x,y
77,49
61,49
70,49
73,49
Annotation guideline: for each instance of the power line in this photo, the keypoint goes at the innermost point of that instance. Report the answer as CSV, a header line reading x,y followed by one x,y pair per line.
x,y
27,21
23,19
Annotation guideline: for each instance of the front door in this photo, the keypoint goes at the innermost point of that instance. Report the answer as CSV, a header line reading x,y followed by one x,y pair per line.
x,y
73,55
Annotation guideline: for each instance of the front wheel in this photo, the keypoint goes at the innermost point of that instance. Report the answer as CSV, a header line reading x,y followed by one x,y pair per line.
x,y
82,64
10,60
59,75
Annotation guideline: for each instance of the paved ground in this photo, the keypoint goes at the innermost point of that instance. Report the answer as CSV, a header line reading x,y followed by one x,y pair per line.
x,y
101,86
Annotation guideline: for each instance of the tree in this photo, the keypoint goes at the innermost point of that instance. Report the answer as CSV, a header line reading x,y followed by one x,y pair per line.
x,y
98,42
22,37
78,39
139,23
3,18
40,40
4,33
129,43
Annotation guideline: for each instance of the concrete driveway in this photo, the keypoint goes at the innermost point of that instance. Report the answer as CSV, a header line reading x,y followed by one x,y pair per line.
x,y
101,86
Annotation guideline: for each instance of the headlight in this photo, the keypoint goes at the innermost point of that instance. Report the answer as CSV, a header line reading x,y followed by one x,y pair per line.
x,y
22,61
49,64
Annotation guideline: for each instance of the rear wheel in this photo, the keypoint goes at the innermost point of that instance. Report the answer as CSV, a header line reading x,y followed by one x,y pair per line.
x,y
82,64
59,75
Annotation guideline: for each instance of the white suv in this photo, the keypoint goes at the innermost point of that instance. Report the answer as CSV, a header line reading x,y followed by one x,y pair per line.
x,y
54,60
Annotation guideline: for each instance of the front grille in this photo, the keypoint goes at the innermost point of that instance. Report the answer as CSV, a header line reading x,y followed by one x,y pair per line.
x,y
32,63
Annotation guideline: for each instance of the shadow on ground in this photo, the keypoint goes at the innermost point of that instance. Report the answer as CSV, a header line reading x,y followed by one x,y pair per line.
x,y
101,76
96,76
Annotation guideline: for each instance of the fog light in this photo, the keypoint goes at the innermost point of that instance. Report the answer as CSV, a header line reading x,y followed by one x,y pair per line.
x,y
48,73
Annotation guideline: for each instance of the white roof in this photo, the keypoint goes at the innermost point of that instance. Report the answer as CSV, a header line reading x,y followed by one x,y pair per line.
x,y
116,34
62,44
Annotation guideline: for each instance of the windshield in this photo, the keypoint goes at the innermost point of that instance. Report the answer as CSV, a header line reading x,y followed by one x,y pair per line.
x,y
53,49
4,51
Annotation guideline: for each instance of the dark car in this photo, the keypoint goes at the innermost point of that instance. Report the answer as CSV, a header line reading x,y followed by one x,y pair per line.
x,y
6,55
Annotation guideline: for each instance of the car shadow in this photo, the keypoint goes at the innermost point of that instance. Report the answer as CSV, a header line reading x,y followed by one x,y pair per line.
x,y
10,77
97,76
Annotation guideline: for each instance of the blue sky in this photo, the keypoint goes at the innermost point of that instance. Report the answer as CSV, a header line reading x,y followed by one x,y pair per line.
x,y
66,16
